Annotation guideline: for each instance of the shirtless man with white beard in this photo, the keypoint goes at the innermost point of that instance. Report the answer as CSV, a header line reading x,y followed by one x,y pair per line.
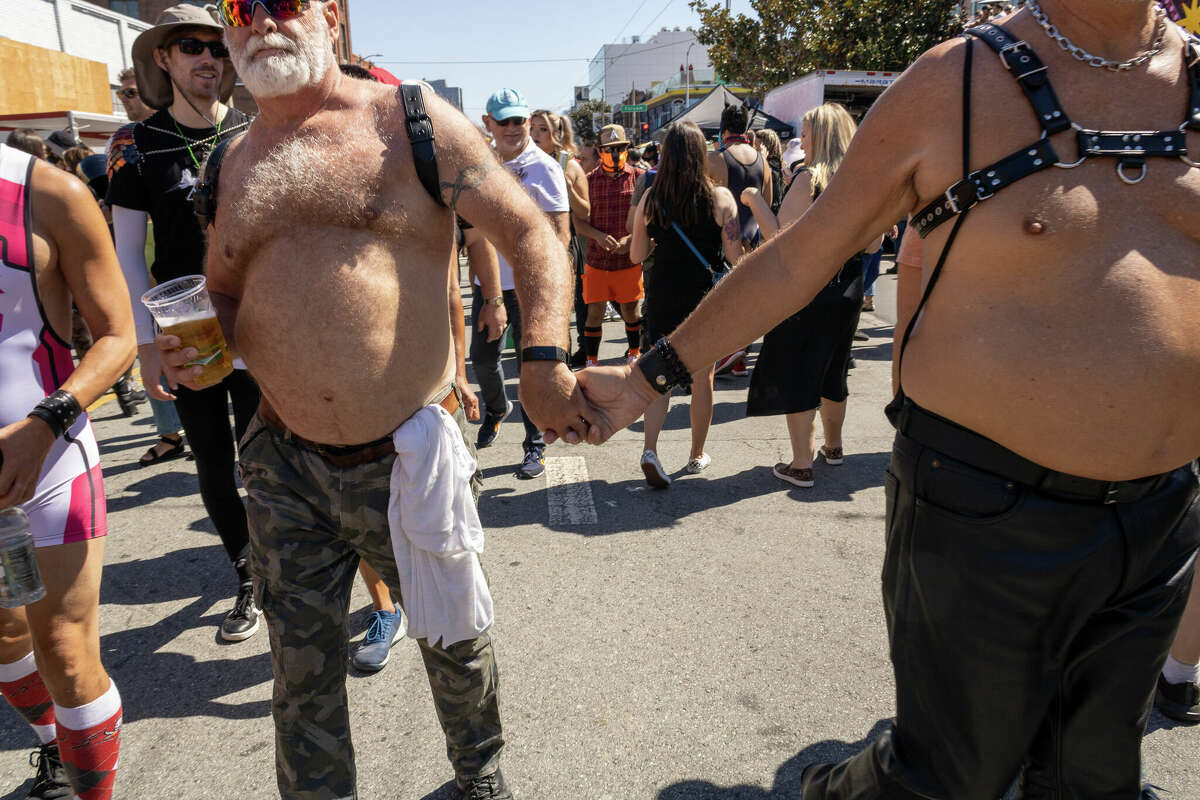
x,y
1041,499
328,261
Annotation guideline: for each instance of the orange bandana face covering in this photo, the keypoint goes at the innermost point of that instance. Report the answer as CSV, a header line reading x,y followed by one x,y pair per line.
x,y
613,161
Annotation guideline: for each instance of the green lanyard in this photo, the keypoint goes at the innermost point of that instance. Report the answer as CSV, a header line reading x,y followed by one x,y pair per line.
x,y
188,141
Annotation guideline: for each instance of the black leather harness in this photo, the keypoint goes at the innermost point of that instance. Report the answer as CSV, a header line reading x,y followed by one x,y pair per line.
x,y
418,126
1130,148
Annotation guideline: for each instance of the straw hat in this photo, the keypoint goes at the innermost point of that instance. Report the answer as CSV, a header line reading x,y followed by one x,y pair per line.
x,y
153,83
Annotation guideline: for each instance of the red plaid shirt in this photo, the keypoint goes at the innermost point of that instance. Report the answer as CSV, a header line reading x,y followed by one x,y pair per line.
x,y
610,199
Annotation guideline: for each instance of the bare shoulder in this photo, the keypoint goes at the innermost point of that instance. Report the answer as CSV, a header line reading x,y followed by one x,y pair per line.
x,y
723,203
56,193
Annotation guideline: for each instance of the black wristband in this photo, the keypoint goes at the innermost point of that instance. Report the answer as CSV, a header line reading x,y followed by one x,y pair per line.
x,y
663,369
59,411
544,354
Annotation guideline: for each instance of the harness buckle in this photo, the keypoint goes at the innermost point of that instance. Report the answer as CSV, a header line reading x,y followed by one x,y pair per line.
x,y
1013,48
952,201
1111,495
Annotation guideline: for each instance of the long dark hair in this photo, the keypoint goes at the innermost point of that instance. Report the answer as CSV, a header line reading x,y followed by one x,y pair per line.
x,y
682,191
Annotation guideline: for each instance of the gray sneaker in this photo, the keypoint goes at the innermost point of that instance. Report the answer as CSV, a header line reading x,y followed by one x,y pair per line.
x,y
384,629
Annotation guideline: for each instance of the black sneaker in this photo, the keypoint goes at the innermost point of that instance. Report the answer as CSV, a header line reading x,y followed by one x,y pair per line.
x,y
490,428
129,397
488,787
50,782
241,623
534,463
1179,701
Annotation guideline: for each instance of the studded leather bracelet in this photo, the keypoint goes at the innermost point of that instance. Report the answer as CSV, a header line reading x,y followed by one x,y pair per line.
x,y
663,369
59,411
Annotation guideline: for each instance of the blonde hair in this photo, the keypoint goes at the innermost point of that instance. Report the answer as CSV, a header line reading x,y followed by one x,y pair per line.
x,y
830,130
769,140
557,125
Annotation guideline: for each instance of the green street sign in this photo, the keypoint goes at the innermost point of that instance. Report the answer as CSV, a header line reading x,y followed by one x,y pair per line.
x,y
633,109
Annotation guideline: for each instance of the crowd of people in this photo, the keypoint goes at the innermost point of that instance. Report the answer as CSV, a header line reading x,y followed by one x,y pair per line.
x,y
1037,502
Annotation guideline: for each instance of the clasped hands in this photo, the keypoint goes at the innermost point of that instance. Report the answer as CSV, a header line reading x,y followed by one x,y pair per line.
x,y
588,406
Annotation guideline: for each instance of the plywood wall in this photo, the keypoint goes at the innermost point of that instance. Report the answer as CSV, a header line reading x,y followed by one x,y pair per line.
x,y
37,79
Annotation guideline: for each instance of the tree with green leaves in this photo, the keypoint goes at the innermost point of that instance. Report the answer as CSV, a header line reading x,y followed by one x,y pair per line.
x,y
581,117
789,38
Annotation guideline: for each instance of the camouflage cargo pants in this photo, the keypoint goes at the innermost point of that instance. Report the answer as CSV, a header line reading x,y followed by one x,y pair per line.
x,y
310,521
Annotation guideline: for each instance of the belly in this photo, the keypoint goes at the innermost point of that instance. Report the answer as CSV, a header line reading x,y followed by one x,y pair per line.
x,y
1087,365
346,336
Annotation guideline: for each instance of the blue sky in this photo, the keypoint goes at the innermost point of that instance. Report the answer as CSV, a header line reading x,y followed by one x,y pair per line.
x,y
436,32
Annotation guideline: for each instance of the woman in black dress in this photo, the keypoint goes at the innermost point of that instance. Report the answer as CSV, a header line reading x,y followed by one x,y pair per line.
x,y
692,226
804,360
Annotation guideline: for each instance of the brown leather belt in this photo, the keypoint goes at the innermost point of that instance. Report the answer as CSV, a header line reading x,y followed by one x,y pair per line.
x,y
342,455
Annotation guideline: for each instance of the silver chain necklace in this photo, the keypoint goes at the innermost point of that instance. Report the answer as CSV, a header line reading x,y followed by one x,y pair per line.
x,y
1160,34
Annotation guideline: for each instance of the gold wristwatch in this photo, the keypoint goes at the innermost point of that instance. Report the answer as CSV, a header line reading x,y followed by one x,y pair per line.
x,y
494,301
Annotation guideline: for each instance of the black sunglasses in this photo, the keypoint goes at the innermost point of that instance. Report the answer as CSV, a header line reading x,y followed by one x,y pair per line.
x,y
504,123
128,93
194,47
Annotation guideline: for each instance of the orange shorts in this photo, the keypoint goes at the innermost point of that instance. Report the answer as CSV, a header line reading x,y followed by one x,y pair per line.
x,y
620,286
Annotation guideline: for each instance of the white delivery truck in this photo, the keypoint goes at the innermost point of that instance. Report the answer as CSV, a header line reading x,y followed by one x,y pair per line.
x,y
854,89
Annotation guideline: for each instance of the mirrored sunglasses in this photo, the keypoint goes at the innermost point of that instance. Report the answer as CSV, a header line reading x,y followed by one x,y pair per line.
x,y
128,93
240,13
194,47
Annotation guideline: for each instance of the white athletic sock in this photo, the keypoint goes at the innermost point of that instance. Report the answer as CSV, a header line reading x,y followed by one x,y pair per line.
x,y
22,686
1175,671
91,714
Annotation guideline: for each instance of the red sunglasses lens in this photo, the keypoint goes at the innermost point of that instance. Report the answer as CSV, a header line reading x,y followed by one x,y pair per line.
x,y
240,13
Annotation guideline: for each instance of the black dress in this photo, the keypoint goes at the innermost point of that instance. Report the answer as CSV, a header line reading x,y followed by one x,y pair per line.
x,y
677,282
807,356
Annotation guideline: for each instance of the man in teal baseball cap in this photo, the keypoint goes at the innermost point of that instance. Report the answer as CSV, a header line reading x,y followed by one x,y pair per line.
x,y
506,103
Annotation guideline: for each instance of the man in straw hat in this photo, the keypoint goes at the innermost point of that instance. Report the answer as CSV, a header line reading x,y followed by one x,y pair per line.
x,y
329,263
183,71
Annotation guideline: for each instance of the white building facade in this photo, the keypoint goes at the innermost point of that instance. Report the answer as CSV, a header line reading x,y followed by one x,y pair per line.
x,y
619,68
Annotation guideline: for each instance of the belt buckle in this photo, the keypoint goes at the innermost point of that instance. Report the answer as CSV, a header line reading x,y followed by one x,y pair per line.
x,y
1110,495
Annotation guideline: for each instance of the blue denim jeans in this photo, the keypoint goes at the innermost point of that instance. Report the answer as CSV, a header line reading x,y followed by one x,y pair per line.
x,y
166,419
871,272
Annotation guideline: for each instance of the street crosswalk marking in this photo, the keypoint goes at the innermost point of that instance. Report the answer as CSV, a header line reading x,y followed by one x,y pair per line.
x,y
569,492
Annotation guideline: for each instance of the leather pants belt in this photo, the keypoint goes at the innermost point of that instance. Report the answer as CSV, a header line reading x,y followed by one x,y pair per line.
x,y
342,455
971,448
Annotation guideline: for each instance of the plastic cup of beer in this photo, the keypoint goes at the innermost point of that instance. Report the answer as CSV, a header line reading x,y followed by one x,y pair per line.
x,y
183,308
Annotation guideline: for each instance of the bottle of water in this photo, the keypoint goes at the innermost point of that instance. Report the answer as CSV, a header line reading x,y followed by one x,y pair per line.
x,y
20,580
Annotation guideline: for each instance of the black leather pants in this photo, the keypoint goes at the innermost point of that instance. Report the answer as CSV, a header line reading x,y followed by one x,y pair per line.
x,y
1025,629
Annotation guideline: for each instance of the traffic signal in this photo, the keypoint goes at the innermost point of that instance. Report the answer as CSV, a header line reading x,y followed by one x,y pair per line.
x,y
645,127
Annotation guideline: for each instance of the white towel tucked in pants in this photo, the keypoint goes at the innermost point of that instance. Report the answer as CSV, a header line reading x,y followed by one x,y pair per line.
x,y
436,533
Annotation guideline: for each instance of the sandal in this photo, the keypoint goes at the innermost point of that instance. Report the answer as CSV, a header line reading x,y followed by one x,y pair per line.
x,y
155,455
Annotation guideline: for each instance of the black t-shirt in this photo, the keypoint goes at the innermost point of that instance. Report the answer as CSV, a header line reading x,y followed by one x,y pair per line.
x,y
151,169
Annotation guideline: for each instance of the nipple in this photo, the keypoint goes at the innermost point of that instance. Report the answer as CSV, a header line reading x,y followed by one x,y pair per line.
x,y
229,252
1033,227
370,214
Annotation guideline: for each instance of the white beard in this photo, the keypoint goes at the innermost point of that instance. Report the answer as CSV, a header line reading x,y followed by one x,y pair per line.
x,y
302,63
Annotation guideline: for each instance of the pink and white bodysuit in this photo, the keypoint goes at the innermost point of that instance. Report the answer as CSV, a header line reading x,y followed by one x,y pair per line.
x,y
68,504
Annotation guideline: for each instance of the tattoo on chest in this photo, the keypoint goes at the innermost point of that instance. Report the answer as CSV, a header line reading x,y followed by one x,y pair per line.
x,y
468,178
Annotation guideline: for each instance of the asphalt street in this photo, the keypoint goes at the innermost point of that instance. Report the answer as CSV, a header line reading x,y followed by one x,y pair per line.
x,y
700,643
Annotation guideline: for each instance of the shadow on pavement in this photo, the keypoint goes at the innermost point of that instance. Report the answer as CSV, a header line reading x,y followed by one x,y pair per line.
x,y
155,487
154,681
501,508
787,777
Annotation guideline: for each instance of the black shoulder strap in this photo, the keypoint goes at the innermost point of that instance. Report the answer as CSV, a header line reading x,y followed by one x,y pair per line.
x,y
420,136
1019,59
895,408
1191,45
204,194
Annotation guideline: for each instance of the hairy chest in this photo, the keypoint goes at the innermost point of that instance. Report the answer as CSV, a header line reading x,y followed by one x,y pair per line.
x,y
348,184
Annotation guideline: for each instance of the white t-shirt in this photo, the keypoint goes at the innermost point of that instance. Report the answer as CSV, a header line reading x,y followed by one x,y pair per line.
x,y
543,178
